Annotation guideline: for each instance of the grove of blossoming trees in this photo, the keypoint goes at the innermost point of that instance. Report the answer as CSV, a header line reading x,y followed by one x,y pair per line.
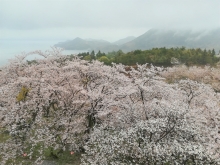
x,y
109,114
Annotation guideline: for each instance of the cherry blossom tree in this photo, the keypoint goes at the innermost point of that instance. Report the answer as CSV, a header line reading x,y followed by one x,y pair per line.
x,y
109,114
161,125
63,100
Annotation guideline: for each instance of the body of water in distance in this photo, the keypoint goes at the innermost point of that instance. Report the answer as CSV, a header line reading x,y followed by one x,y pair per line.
x,y
10,48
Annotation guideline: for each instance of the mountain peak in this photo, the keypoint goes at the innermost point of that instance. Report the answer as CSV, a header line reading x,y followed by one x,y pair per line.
x,y
209,39
78,39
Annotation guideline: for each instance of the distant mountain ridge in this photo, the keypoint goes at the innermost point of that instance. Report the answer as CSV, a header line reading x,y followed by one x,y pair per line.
x,y
174,38
93,44
81,44
208,39
124,40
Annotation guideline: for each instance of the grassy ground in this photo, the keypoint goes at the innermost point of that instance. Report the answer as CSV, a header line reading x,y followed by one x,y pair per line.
x,y
3,136
52,157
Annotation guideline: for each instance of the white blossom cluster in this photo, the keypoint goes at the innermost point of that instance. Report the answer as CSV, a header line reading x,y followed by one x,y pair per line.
x,y
110,114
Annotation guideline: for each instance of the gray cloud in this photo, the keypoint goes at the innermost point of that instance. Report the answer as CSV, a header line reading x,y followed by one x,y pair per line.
x,y
71,18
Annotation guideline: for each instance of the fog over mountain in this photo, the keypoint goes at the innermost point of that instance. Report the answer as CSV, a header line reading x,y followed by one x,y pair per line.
x,y
87,45
124,40
206,39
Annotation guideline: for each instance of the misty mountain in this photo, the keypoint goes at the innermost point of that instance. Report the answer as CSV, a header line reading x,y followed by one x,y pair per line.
x,y
124,40
91,39
208,39
175,38
93,44
86,44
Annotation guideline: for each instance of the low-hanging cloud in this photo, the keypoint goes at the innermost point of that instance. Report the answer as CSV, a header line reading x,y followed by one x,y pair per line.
x,y
46,15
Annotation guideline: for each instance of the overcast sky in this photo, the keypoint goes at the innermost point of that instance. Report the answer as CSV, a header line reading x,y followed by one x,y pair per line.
x,y
102,19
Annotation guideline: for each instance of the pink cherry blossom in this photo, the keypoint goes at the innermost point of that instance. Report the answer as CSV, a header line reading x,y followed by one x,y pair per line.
x,y
117,116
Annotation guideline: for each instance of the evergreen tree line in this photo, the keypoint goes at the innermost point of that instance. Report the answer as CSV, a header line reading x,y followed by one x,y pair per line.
x,y
156,56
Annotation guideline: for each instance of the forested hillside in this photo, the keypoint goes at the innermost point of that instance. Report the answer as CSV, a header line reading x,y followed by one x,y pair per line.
x,y
156,56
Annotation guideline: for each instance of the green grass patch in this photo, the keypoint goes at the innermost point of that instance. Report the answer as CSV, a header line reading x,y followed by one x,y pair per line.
x,y
4,135
62,157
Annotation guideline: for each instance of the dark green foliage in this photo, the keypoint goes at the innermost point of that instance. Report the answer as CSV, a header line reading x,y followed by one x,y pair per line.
x,y
162,56
92,54
99,54
84,54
